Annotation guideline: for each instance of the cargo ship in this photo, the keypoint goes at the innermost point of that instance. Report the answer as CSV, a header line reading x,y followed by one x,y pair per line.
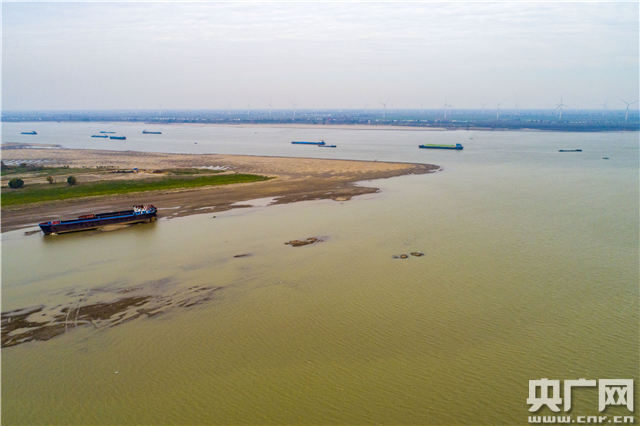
x,y
569,150
146,213
327,146
148,132
33,132
120,138
99,136
102,131
435,146
307,143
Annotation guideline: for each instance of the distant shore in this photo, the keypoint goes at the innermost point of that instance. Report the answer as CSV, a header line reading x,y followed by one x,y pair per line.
x,y
295,179
311,126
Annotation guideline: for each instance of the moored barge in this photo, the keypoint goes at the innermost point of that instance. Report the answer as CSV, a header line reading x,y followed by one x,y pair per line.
x,y
146,213
307,143
434,146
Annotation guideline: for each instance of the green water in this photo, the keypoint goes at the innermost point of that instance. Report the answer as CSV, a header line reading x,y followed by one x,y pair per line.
x,y
530,271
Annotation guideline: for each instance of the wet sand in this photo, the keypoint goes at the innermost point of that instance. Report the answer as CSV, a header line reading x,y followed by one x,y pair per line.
x,y
295,179
100,308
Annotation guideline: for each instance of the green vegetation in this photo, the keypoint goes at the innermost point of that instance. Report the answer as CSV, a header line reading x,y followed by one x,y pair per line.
x,y
16,183
71,180
38,170
47,192
50,179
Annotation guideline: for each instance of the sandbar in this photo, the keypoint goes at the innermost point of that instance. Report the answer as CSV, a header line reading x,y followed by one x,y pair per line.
x,y
295,179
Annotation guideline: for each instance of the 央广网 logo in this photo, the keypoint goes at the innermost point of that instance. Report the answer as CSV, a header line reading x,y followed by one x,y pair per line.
x,y
611,392
545,392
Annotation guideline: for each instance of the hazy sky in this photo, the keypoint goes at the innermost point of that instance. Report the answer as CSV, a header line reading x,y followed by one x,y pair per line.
x,y
212,55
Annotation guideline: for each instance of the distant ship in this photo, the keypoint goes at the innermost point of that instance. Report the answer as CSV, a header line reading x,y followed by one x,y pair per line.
x,y
327,146
86,222
307,143
435,146
99,136
121,138
148,132
33,132
102,131
569,150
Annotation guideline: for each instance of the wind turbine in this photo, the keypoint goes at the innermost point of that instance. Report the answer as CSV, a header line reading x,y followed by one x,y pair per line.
x,y
384,113
445,106
559,108
626,112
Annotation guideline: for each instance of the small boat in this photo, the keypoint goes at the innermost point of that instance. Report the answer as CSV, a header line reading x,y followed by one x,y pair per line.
x,y
99,136
327,146
308,143
436,146
148,132
102,131
33,132
569,150
605,158
120,138
146,213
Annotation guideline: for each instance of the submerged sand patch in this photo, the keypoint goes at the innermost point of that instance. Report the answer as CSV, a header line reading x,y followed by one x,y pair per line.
x,y
99,308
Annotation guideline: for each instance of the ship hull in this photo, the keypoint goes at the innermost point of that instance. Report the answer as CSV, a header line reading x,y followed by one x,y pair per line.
x,y
98,221
457,147
307,143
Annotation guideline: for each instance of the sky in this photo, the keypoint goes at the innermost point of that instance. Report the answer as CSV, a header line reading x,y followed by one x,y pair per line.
x,y
239,55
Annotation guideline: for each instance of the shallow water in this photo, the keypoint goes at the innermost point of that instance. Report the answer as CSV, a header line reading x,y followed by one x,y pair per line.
x,y
530,271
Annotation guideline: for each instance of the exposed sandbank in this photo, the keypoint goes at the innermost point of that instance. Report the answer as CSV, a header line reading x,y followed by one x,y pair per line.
x,y
296,179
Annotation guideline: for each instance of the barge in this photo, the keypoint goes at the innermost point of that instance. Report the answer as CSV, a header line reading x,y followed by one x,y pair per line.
x,y
99,136
141,213
569,150
327,146
149,132
308,143
120,138
33,132
435,146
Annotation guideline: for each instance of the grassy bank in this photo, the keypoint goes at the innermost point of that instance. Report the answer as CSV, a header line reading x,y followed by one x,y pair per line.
x,y
46,192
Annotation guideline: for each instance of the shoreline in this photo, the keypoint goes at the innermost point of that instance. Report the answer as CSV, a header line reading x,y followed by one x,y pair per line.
x,y
295,179
342,126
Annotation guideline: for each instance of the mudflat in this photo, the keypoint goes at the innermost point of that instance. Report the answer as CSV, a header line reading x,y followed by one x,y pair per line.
x,y
294,179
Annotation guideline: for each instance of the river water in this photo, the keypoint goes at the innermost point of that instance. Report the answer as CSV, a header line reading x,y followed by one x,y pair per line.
x,y
530,271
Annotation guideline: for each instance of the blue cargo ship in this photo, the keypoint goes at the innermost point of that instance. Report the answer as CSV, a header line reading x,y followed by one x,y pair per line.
x,y
99,136
102,131
121,138
33,132
148,132
569,150
435,146
146,213
307,143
